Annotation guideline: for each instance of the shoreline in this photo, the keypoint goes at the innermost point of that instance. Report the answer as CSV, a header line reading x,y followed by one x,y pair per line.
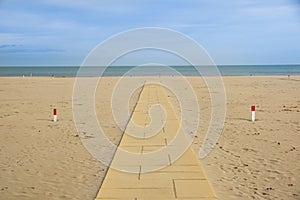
x,y
224,70
116,76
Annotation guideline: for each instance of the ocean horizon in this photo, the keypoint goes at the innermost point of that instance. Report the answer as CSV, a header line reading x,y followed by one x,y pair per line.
x,y
225,70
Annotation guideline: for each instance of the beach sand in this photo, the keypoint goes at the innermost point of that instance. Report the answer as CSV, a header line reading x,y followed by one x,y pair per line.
x,y
40,159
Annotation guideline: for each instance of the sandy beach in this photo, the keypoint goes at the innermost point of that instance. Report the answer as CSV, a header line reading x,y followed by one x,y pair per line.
x,y
40,159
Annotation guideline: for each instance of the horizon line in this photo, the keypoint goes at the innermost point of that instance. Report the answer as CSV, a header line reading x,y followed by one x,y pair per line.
x,y
170,65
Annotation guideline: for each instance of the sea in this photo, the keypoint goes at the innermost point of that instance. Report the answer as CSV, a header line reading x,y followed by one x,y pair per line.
x,y
224,70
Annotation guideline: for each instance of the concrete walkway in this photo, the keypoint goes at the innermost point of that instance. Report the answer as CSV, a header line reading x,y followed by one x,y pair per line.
x,y
147,174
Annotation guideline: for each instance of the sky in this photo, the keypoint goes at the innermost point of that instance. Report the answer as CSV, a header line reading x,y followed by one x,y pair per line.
x,y
63,32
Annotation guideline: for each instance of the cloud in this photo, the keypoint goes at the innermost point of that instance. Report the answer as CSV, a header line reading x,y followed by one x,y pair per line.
x,y
104,6
73,27
9,45
16,48
270,11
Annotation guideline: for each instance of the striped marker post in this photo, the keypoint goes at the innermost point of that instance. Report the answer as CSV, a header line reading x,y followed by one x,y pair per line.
x,y
54,115
253,113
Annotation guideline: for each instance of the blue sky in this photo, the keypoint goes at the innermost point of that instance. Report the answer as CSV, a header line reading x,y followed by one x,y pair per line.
x,y
63,32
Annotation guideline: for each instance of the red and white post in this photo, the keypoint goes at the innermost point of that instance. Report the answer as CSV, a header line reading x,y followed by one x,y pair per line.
x,y
54,115
253,113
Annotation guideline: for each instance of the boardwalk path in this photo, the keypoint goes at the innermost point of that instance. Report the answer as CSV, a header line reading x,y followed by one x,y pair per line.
x,y
169,177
